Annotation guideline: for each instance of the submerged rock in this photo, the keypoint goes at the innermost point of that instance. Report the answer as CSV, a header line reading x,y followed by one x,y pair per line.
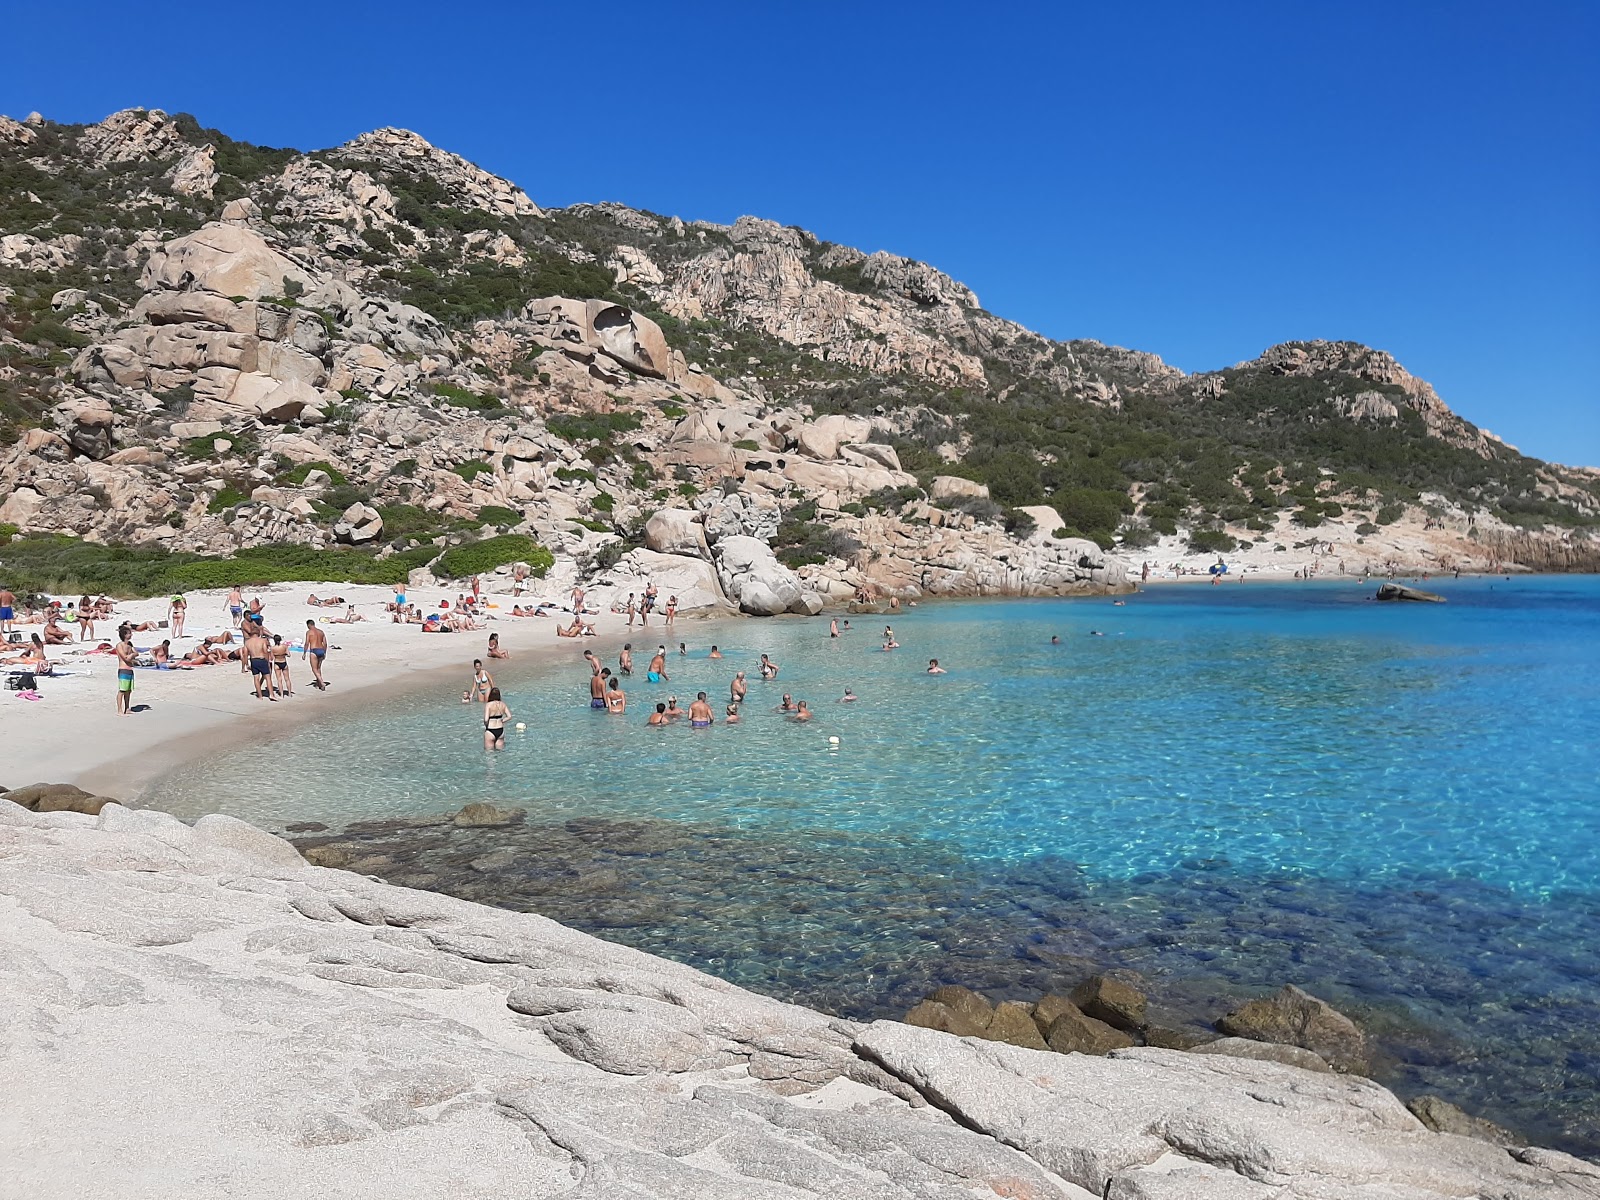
x,y
487,814
1441,1116
1292,1017
1111,1001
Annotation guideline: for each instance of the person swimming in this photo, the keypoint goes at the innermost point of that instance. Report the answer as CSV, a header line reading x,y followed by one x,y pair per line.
x,y
715,653
847,697
934,668
659,717
787,705
672,710
733,715
801,712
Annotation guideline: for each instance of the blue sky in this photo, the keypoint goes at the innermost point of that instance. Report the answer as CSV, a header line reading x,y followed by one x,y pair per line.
x,y
1197,180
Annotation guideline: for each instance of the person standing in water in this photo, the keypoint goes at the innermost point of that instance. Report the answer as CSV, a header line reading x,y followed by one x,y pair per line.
x,y
625,659
833,628
769,669
659,717
700,712
495,715
482,682
934,668
802,712
316,649
737,689
616,701
597,688
715,653
658,667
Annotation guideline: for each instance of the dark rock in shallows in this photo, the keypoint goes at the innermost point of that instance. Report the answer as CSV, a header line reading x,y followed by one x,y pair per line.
x,y
1397,591
965,1001
1013,1023
333,855
306,827
487,814
58,797
1291,1017
1443,1117
1289,1056
1111,1001
930,1014
1167,1038
1071,1031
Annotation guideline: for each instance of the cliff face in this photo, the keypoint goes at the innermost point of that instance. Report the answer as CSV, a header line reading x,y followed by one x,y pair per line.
x,y
260,1027
210,345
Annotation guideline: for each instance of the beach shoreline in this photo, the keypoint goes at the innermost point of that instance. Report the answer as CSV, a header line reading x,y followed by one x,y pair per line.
x,y
73,735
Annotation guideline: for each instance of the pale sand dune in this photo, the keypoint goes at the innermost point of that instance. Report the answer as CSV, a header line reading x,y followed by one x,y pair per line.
x,y
74,734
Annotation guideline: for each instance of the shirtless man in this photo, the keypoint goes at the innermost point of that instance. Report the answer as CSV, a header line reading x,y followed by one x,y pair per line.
x,y
259,651
126,656
316,648
737,689
715,653
162,653
594,663
625,659
673,712
833,628
616,701
787,705
8,610
700,713
801,712
236,604
658,667
597,688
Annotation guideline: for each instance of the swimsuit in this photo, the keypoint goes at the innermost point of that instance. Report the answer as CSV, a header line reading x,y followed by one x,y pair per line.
x,y
653,676
319,651
5,612
124,679
698,724
259,666
597,703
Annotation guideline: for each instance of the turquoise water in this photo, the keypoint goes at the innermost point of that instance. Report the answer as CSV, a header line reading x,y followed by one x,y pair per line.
x,y
1234,787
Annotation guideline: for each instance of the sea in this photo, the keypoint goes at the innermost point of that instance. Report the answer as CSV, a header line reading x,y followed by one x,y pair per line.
x,y
1210,790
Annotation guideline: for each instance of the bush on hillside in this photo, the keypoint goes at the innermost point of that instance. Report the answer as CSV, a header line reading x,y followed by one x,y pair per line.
x,y
1211,541
478,558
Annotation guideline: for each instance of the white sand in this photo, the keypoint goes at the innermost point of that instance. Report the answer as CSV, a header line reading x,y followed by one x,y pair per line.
x,y
74,734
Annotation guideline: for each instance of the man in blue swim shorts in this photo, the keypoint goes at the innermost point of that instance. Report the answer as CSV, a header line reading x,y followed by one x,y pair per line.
x,y
8,610
126,656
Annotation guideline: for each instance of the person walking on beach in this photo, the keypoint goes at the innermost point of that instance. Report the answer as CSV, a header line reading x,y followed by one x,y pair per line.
x,y
259,653
495,715
658,667
236,604
177,610
8,610
672,609
316,648
700,712
126,657
280,665
737,689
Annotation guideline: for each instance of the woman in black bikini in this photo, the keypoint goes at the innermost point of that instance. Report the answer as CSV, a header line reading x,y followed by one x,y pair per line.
x,y
495,715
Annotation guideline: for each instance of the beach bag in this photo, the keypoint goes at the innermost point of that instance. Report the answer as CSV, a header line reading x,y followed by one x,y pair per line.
x,y
22,682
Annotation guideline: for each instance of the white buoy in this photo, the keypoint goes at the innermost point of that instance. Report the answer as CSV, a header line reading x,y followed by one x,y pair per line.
x,y
833,741
522,726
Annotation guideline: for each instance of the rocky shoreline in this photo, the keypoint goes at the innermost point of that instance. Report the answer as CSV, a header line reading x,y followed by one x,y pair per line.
x,y
419,1019
1104,1016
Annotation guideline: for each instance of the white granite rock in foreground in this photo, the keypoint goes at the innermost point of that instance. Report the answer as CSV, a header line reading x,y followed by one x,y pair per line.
x,y
194,1012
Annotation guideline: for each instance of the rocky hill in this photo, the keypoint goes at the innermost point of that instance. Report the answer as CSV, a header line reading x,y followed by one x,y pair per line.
x,y
207,346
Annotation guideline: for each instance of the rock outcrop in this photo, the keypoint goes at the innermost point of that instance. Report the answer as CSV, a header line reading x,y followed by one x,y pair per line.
x,y
196,1011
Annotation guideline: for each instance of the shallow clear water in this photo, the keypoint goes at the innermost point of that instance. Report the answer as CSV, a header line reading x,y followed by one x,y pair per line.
x,y
1235,786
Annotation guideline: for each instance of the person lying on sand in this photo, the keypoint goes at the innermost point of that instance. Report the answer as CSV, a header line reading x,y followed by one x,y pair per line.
x,y
330,602
434,625
576,629
351,616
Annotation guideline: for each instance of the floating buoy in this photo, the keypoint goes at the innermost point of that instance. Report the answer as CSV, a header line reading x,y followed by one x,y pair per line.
x,y
522,726
833,741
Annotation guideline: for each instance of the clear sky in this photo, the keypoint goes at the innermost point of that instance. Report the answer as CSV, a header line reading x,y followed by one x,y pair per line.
x,y
1200,180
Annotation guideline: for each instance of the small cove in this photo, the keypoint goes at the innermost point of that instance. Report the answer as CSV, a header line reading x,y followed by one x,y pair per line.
x,y
1233,788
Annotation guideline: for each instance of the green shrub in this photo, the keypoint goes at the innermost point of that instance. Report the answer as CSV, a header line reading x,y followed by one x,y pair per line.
x,y
603,502
1332,508
1308,517
746,444
405,468
571,474
591,427
477,558
1389,514
1366,529
1136,536
673,412
472,468
228,497
296,476
1211,541
496,514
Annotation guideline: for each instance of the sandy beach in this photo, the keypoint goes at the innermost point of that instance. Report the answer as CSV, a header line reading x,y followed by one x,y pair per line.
x,y
74,734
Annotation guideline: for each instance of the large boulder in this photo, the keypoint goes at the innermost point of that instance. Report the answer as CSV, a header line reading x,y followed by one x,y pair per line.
x,y
953,487
692,580
58,797
823,437
1112,1001
230,260
754,579
1296,1018
676,531
361,523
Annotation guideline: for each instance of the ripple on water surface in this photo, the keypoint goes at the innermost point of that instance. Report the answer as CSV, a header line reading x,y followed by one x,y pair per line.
x,y
1217,748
